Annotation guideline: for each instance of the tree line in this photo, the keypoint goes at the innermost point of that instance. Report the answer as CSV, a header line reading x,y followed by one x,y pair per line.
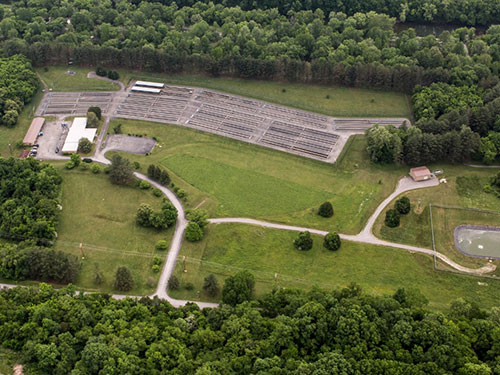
x,y
35,263
29,193
18,84
285,332
471,12
362,49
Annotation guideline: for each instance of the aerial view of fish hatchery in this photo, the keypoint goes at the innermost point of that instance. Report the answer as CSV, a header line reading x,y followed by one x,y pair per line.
x,y
235,187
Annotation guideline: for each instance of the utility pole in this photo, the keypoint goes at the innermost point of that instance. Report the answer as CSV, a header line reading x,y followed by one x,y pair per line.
x,y
81,249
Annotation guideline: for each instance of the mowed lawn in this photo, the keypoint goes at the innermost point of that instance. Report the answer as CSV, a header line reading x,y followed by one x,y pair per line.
x,y
57,78
270,255
332,101
232,178
101,216
463,189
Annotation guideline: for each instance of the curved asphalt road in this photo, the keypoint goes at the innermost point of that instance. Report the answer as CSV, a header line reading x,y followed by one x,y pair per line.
x,y
365,236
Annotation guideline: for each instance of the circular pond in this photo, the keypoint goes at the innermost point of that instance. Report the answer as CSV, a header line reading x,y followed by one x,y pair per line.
x,y
478,241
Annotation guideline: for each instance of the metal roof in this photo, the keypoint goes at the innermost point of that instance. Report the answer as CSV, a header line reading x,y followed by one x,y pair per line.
x,y
150,84
33,131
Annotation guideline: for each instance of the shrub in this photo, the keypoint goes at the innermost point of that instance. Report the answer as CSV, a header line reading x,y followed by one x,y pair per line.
x,y
181,193
120,171
101,72
143,215
84,166
97,111
150,282
200,217
123,279
173,283
157,192
137,165
211,285
69,165
238,288
193,232
332,241
96,169
325,210
161,245
403,205
156,268
98,276
113,74
117,129
189,286
392,218
84,146
92,120
75,158
158,261
144,185
303,241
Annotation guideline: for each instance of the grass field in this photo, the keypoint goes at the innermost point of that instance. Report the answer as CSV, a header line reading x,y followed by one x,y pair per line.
x,y
229,248
342,101
233,178
102,217
464,188
58,80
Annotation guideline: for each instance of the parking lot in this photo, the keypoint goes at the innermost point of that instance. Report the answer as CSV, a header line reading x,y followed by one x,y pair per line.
x,y
53,138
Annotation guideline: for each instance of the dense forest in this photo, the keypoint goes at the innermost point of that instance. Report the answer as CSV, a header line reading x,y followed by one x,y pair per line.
x,y
469,12
454,77
288,332
29,192
18,84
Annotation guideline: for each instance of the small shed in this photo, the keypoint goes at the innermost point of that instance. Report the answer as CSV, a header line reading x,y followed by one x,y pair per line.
x,y
33,131
420,173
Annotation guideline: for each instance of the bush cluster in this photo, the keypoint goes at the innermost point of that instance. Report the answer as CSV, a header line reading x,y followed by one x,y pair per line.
x,y
147,217
158,174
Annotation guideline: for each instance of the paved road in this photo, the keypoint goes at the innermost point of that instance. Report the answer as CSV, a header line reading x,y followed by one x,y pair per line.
x,y
366,235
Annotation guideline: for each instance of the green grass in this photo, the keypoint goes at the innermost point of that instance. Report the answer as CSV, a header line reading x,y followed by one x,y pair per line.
x,y
102,217
17,132
228,182
464,189
342,101
58,80
228,248
233,178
